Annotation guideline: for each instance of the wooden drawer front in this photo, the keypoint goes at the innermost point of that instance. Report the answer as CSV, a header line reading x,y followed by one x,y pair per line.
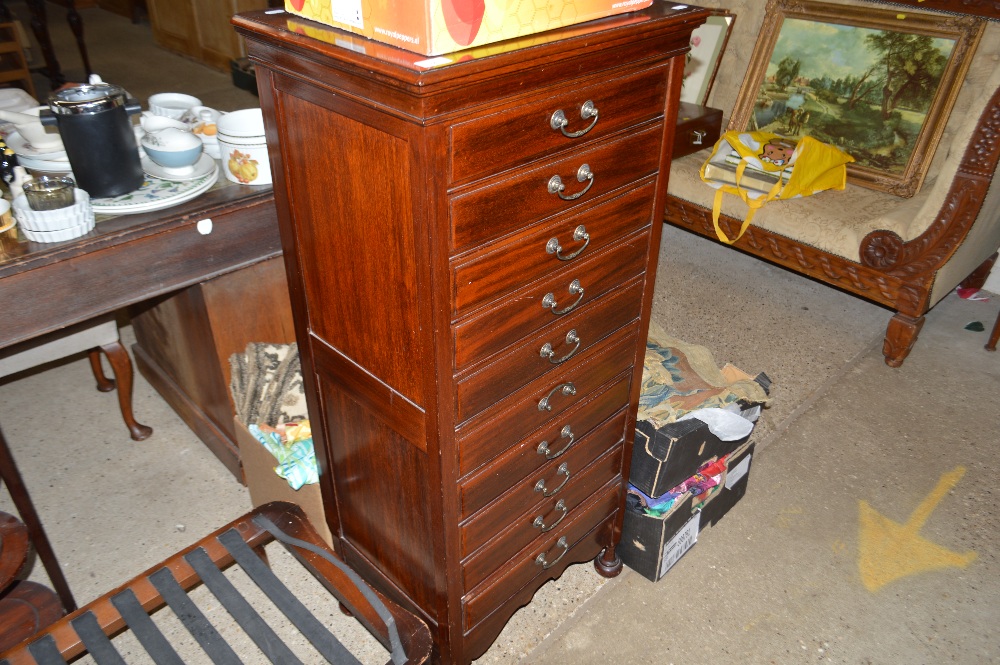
x,y
508,536
554,547
569,338
527,310
487,276
561,480
510,203
497,429
497,142
566,433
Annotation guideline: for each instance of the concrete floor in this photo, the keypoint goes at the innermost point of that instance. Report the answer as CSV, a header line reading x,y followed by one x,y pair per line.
x,y
789,576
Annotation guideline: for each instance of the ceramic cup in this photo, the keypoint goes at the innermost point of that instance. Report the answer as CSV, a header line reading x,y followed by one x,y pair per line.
x,y
243,148
50,193
172,104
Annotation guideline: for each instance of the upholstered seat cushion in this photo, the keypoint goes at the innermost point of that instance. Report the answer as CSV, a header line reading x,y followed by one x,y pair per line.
x,y
834,221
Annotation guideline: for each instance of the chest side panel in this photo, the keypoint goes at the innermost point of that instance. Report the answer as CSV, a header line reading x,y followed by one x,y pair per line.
x,y
353,220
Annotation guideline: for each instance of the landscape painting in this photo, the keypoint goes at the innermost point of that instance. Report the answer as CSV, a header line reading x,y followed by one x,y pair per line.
x,y
878,85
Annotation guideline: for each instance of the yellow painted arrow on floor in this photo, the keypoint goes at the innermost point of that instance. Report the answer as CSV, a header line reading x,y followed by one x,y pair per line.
x,y
890,550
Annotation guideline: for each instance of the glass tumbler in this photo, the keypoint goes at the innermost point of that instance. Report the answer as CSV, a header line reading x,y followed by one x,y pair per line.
x,y
49,193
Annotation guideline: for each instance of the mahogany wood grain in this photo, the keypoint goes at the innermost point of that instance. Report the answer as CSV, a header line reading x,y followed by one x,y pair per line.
x,y
525,362
25,608
509,319
392,180
495,143
14,547
525,456
501,530
482,276
513,201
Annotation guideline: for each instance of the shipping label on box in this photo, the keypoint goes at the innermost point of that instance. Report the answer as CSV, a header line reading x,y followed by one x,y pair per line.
x,y
434,27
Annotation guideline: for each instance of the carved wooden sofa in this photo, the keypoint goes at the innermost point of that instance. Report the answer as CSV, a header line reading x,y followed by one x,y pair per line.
x,y
903,253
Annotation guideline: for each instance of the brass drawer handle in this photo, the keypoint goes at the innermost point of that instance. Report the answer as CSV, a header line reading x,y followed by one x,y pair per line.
x,y
565,388
540,559
548,352
562,470
583,174
553,246
549,301
558,120
539,522
543,447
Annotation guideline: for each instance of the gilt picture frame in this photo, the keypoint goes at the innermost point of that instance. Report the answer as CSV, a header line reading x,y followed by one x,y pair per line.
x,y
879,84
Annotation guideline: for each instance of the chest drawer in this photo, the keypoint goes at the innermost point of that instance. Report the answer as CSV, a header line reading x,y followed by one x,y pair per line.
x,y
541,518
545,399
544,447
543,554
495,143
549,301
557,479
485,276
571,338
511,202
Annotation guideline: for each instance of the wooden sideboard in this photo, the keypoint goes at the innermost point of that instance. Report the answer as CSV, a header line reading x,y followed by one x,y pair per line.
x,y
471,279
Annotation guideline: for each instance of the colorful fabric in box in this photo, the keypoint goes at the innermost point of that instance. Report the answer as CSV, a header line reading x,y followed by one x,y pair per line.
x,y
679,378
701,486
294,452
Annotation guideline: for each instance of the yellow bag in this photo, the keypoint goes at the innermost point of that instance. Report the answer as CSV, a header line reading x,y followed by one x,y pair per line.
x,y
802,169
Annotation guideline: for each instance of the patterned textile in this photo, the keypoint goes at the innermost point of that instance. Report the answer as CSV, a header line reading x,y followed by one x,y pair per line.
x,y
678,378
266,383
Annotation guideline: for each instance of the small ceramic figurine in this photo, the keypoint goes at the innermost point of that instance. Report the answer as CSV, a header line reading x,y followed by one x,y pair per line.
x,y
16,184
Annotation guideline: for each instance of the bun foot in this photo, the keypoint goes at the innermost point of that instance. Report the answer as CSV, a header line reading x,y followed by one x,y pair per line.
x,y
606,567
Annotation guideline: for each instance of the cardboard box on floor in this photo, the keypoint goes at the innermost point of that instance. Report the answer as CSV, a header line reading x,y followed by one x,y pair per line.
x,y
266,486
652,545
664,457
435,27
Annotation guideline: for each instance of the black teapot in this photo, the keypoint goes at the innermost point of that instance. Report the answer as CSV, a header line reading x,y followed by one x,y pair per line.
x,y
93,121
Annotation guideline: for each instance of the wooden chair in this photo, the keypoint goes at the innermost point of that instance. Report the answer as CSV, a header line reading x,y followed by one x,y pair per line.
x,y
132,606
92,337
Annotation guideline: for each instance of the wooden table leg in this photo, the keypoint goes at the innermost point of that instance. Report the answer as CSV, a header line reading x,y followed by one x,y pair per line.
x,y
26,510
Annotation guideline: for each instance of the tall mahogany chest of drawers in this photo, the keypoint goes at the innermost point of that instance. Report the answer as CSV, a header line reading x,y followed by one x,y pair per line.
x,y
471,250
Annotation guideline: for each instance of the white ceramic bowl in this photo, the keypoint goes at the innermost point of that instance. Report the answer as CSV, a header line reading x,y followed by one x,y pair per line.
x,y
245,123
49,221
60,235
172,104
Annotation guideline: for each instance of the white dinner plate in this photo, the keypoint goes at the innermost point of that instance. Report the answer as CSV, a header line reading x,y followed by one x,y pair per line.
x,y
155,194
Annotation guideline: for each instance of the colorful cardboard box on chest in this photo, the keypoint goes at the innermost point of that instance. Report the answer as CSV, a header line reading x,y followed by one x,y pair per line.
x,y
435,27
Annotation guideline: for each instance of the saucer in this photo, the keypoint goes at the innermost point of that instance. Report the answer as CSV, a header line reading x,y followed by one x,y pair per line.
x,y
202,167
